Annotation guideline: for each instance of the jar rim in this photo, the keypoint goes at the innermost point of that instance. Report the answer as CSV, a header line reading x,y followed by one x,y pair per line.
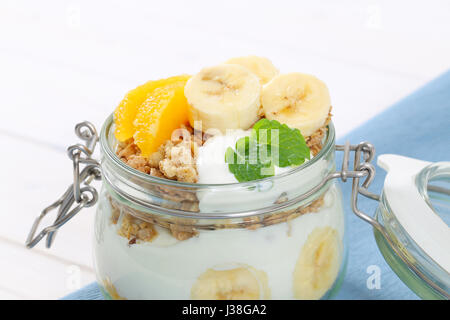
x,y
110,153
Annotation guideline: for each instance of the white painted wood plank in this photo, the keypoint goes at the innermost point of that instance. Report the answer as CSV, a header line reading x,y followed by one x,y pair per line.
x,y
68,64
30,275
34,177
43,102
8,295
386,35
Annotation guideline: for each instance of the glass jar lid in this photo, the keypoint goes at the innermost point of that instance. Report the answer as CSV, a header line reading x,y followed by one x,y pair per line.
x,y
418,233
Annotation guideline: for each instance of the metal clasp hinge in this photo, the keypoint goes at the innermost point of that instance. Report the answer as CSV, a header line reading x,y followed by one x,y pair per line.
x,y
362,167
79,194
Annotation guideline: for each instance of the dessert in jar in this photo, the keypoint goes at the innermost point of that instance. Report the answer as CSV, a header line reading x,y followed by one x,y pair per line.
x,y
207,189
221,185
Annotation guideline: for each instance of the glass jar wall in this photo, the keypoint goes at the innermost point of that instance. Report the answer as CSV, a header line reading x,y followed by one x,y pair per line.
x,y
267,239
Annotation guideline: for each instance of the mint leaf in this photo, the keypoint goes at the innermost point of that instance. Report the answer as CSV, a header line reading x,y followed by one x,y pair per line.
x,y
243,170
286,144
270,143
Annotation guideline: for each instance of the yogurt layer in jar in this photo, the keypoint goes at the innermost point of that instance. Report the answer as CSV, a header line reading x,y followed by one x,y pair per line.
x,y
291,252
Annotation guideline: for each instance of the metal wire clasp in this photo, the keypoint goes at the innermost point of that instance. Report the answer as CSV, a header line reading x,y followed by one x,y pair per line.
x,y
78,195
362,167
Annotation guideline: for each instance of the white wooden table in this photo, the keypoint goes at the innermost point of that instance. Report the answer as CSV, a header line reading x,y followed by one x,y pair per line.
x,y
62,62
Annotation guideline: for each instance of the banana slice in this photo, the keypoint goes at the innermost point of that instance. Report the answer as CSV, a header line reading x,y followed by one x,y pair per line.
x,y
222,97
239,283
299,100
260,66
318,264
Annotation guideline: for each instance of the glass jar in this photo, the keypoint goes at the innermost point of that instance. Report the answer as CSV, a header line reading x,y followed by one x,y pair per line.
x,y
277,238
281,237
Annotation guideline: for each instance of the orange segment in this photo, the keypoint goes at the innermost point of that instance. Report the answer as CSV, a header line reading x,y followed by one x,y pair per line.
x,y
164,111
126,111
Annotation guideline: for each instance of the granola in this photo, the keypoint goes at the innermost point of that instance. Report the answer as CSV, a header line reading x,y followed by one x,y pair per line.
x,y
175,160
179,161
136,229
315,141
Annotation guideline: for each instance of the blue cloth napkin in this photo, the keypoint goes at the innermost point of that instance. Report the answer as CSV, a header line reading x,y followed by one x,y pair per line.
x,y
418,126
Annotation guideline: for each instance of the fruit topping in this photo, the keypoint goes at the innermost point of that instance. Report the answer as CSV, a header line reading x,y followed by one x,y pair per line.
x,y
222,97
299,100
219,100
262,67
164,111
126,111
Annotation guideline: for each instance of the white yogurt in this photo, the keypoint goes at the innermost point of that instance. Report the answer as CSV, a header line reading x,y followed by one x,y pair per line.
x,y
211,165
213,169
